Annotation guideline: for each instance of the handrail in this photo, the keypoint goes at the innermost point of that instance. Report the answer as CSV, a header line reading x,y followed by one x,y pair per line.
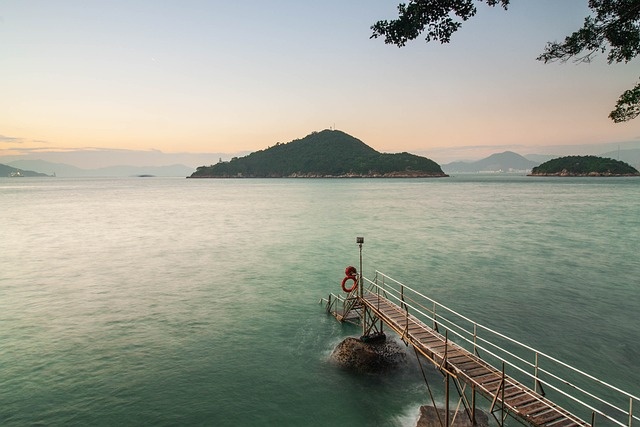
x,y
480,337
333,302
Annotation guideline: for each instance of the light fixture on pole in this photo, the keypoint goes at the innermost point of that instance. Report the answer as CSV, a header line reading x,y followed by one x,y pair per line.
x,y
360,241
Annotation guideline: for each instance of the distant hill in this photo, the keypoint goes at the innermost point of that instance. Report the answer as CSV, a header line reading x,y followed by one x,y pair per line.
x,y
9,171
64,170
584,166
329,153
540,158
507,161
631,156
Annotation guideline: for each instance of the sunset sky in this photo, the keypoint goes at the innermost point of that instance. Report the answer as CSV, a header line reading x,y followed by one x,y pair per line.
x,y
234,76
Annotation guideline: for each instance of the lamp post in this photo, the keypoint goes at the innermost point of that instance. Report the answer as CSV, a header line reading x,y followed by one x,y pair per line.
x,y
360,241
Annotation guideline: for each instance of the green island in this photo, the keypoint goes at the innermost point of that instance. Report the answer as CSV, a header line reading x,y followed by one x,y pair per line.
x,y
584,166
324,154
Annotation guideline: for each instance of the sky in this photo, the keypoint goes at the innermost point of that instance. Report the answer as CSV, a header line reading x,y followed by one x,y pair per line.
x,y
209,76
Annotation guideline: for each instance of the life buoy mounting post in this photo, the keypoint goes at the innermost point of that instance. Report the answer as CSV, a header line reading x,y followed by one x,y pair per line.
x,y
350,273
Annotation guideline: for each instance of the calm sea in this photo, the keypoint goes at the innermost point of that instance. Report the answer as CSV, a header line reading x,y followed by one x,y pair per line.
x,y
161,301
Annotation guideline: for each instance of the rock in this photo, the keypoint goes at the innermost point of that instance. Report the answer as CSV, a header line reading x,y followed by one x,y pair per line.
x,y
429,418
368,357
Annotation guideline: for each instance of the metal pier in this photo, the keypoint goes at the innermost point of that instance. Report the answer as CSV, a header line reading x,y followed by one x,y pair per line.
x,y
505,393
516,380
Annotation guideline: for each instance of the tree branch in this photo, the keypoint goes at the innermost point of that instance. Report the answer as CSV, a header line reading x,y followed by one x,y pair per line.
x,y
628,106
438,18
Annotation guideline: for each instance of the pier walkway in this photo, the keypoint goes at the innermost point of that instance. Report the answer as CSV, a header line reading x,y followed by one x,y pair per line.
x,y
482,361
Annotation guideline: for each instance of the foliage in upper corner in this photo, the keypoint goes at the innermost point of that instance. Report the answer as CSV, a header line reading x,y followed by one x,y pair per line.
x,y
628,106
584,166
435,17
329,153
614,26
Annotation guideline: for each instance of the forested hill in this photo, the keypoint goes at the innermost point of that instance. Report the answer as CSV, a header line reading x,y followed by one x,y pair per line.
x,y
584,166
329,153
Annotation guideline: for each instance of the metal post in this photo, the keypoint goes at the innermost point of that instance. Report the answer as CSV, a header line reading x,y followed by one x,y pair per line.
x,y
446,397
475,336
435,323
502,398
473,404
535,374
360,241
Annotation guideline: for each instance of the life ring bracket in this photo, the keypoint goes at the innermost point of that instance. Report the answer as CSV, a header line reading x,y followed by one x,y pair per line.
x,y
350,274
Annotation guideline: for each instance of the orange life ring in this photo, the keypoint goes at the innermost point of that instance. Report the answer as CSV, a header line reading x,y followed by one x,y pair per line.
x,y
355,283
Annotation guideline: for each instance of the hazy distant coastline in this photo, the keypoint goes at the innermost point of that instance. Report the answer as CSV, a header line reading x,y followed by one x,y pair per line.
x,y
114,163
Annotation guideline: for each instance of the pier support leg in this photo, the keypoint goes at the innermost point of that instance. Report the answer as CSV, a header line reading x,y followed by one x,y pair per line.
x,y
473,405
446,400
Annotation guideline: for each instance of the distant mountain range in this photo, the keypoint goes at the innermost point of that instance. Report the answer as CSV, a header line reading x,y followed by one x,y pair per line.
x,y
631,156
509,161
91,162
8,171
500,162
64,170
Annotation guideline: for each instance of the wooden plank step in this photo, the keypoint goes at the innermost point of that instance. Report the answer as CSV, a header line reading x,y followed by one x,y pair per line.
x,y
473,362
563,422
547,417
487,379
540,407
533,408
396,317
521,400
416,329
464,366
455,352
432,339
479,371
454,360
424,335
511,392
437,346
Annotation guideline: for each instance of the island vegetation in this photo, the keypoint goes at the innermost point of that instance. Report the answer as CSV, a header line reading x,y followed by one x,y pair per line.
x,y
329,153
584,166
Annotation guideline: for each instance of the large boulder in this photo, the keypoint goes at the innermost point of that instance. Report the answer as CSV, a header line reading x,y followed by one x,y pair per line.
x,y
368,356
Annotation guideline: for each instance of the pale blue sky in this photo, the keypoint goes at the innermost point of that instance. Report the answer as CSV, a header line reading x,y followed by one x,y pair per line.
x,y
231,76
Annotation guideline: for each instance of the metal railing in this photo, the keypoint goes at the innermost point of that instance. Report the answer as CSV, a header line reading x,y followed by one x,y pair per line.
x,y
600,401
339,304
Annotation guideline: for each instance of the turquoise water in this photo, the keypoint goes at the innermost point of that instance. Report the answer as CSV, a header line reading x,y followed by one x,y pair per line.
x,y
162,301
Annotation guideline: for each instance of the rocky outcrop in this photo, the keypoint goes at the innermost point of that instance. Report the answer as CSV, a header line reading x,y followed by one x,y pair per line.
x,y
374,356
565,172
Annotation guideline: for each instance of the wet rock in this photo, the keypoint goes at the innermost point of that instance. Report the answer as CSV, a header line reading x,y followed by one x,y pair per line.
x,y
374,356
